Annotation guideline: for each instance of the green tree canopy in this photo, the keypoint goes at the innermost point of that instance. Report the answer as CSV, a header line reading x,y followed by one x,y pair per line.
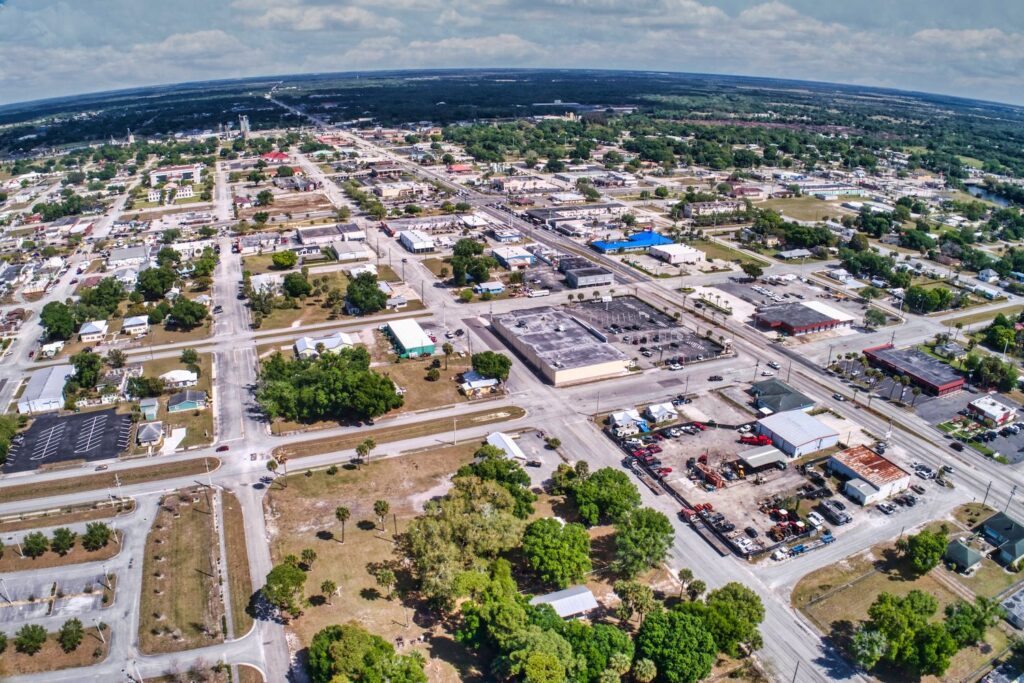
x,y
350,653
608,494
682,649
642,540
492,364
559,554
364,294
493,464
284,260
58,321
284,586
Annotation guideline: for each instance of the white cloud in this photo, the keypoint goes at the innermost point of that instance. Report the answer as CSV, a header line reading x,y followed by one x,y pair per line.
x,y
298,17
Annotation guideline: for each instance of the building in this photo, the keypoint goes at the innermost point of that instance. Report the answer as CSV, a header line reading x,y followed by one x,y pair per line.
x,y
775,396
506,443
988,408
675,254
562,348
186,400
582,212
492,288
351,251
963,557
796,433
988,276
416,241
319,235
153,196
793,254
149,408
795,319
410,339
591,276
870,476
698,209
309,347
568,603
506,235
135,325
1007,534
350,232
931,374
761,456
149,433
513,258
1014,608
165,174
128,257
45,390
638,241
179,379
661,412
93,331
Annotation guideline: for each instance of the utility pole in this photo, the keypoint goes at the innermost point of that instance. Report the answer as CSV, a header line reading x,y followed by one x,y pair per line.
x,y
987,489
99,630
455,438
1009,498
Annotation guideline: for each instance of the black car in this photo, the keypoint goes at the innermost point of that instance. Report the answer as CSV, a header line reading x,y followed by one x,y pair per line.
x,y
715,378
751,531
956,446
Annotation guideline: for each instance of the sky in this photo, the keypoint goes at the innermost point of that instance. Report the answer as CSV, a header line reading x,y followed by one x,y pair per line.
x,y
969,48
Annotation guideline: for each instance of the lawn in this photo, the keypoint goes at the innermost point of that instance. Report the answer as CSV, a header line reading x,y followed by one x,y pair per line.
x,y
302,516
806,208
434,265
402,432
52,657
239,579
262,263
181,605
199,423
965,320
714,250
69,515
158,334
421,393
91,482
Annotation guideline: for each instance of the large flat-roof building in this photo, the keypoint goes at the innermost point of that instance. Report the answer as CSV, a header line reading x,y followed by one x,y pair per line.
x,y
164,174
564,349
45,390
638,241
929,373
870,476
410,339
796,433
675,254
592,276
416,241
797,319
988,408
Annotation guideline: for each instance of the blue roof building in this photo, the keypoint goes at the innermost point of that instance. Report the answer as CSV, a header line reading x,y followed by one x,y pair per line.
x,y
635,242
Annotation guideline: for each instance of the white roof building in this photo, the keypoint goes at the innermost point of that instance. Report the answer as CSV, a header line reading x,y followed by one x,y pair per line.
x,y
180,378
45,390
93,328
506,443
990,408
662,412
677,253
567,603
623,417
796,433
305,347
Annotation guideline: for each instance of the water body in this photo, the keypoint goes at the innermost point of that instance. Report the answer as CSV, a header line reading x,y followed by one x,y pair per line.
x,y
982,193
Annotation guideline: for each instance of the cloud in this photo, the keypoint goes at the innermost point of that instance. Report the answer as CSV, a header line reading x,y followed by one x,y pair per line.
x,y
297,17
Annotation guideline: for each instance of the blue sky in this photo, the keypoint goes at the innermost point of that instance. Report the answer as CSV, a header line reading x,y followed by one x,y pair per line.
x,y
61,47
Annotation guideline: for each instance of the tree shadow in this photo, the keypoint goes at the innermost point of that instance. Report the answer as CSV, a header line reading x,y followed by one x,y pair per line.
x,y
370,594
317,600
261,610
896,567
325,535
470,664
366,525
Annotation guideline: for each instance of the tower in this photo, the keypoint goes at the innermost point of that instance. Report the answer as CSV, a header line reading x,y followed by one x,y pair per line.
x,y
243,126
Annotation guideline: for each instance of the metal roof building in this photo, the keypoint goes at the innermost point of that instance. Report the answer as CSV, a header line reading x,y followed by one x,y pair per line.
x,y
506,443
410,338
45,390
570,602
796,433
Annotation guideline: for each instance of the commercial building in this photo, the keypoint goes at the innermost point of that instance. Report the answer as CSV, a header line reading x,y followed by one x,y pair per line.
x,y
1013,606
513,258
127,257
988,408
592,276
797,319
415,241
562,348
929,373
870,476
1007,534
165,174
698,209
678,253
323,235
796,433
775,396
45,390
638,241
582,212
409,338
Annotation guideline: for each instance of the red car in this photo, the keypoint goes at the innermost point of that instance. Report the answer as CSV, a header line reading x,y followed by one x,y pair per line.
x,y
658,436
654,449
221,449
640,452
664,470
699,426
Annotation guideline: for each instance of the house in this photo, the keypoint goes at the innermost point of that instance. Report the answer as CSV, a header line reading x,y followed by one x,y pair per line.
x,y
988,408
150,433
474,385
126,257
311,347
50,350
507,444
186,400
179,379
661,412
149,408
962,556
93,331
135,325
775,396
988,276
627,422
45,390
796,433
492,288
571,602
1007,534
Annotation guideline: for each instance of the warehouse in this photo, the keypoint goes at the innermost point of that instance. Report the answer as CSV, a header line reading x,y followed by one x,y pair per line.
x,y
593,276
45,391
675,254
563,349
797,319
409,338
870,477
513,258
929,373
415,241
796,433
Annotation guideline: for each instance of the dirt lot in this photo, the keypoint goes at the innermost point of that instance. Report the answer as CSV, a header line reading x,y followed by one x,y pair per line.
x,y
294,203
301,515
53,658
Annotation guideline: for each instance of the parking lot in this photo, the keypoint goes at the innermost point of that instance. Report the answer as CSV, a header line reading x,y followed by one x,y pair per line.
x,y
937,410
86,436
27,596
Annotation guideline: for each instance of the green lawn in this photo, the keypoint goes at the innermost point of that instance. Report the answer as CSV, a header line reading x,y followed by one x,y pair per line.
x,y
1008,311
260,263
806,208
714,250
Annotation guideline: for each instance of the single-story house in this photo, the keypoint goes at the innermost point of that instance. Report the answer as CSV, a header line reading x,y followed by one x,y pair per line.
x,y
135,325
179,379
93,331
149,408
306,347
475,385
186,400
662,412
506,443
1007,534
149,433
962,556
489,288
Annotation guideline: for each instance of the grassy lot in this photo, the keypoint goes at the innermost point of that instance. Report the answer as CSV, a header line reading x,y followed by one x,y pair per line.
x,y
13,562
988,580
434,265
714,250
199,423
310,311
972,514
91,482
420,393
386,273
239,580
261,263
806,208
181,606
158,334
383,435
302,516
53,658
965,320
68,515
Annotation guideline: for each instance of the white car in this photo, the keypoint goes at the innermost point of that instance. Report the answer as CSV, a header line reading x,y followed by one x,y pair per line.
x,y
675,366
767,373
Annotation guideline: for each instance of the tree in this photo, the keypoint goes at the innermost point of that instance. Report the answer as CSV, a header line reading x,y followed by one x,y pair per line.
x,y
70,635
296,285
642,540
342,514
308,558
264,198
168,258
284,260
678,644
685,576
385,579
3,643
606,494
381,509
696,589
433,374
154,283
635,598
733,616
752,270
328,588
350,653
661,192
189,357
97,535
924,549
447,349
559,554
644,671
967,622
284,586
87,366
364,294
34,544
29,639
364,449
492,464
63,540
145,387
868,646
874,318
58,321
116,358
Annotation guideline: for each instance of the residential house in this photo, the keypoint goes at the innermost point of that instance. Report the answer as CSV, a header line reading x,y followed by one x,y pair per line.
x,y
186,400
1007,534
179,379
572,602
311,347
150,434
135,326
93,331
662,412
149,408
963,557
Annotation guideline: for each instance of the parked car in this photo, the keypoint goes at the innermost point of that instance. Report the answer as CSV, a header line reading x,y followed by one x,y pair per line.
x,y
222,448
715,378
533,463
838,397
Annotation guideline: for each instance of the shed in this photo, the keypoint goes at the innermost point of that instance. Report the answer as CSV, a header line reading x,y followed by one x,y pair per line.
x,y
149,408
761,456
571,602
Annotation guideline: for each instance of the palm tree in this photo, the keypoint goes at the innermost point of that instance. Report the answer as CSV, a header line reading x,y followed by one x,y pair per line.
x,y
696,589
342,514
448,350
381,509
386,579
916,392
308,557
272,466
685,577
644,671
620,663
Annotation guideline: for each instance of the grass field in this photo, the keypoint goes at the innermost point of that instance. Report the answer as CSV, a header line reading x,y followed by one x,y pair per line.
x,y
158,334
714,250
384,435
13,562
239,580
52,657
806,208
262,263
434,265
198,423
181,605
984,316
69,515
91,482
421,393
302,516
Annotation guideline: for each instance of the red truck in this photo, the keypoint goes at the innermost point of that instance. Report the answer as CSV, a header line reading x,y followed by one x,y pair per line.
x,y
756,440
